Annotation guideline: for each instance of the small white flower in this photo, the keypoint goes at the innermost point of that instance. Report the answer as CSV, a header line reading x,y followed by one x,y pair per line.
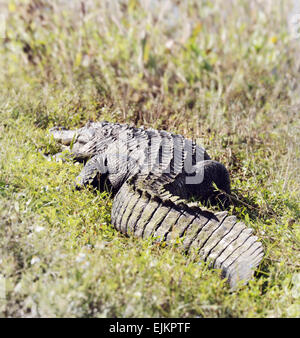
x,y
169,44
39,228
86,265
138,294
18,287
81,257
34,260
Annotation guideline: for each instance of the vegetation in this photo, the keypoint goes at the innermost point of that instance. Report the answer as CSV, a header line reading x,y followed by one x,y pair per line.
x,y
220,71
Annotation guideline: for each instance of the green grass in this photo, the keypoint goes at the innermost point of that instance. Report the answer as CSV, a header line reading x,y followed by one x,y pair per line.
x,y
223,74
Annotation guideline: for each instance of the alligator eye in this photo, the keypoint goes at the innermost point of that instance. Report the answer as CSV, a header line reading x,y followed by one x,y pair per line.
x,y
105,132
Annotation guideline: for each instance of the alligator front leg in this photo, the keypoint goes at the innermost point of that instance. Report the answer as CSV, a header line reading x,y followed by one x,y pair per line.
x,y
94,173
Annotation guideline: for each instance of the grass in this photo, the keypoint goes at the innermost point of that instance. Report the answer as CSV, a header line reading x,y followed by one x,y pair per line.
x,y
224,74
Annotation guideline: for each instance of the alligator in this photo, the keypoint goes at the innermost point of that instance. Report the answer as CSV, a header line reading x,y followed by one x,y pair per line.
x,y
152,175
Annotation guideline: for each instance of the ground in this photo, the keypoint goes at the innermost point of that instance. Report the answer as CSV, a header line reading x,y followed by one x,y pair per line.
x,y
222,72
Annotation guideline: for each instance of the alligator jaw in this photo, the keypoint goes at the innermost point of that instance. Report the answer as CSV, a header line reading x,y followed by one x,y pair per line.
x,y
62,135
